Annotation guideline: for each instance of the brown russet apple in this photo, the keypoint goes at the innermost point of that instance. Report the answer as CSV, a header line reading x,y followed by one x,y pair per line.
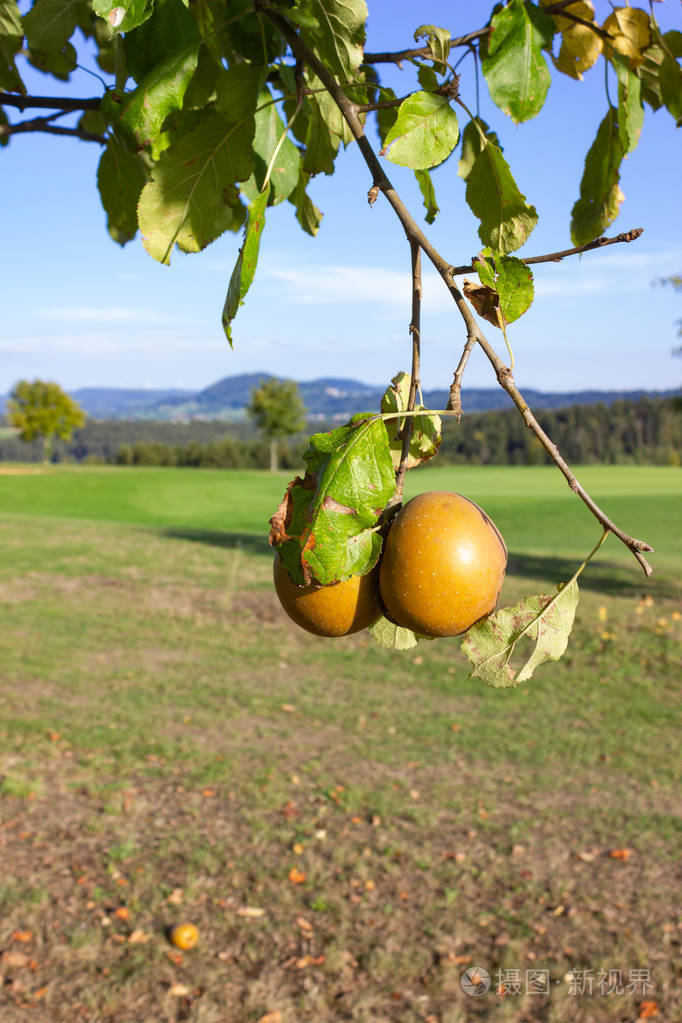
x,y
338,609
442,566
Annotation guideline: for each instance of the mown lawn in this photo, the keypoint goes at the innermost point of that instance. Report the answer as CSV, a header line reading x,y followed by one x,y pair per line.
x,y
350,830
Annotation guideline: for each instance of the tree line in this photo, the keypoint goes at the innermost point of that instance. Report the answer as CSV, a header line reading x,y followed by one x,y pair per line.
x,y
645,431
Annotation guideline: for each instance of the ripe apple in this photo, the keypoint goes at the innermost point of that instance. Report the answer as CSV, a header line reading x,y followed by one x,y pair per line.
x,y
338,609
442,565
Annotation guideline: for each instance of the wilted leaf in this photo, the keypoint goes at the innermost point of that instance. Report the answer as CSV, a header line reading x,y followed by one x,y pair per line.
x,y
438,40
648,1009
324,527
511,279
485,301
251,912
193,196
426,429
580,45
600,195
428,194
178,990
391,636
620,854
629,29
512,60
546,621
424,133
494,197
245,267
139,937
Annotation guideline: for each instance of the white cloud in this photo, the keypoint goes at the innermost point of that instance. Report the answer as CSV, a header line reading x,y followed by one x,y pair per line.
x,y
102,314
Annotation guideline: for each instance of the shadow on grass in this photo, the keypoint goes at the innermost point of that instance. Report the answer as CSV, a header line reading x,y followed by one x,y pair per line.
x,y
611,577
249,542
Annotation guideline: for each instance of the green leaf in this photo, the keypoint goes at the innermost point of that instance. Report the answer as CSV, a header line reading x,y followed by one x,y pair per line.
x,y
169,29
428,194
121,15
391,636
600,194
120,179
11,35
510,278
630,109
50,23
245,267
139,115
438,41
192,196
287,165
426,430
506,218
307,213
238,89
546,621
473,143
324,527
335,31
512,60
59,63
424,134
670,74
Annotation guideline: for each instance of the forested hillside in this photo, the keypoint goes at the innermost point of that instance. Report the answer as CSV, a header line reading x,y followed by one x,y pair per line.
x,y
648,430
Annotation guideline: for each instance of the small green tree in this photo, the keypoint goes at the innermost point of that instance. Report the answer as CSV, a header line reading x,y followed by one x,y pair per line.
x,y
278,410
41,409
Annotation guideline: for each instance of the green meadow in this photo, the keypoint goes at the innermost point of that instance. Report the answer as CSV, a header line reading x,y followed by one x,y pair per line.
x,y
349,828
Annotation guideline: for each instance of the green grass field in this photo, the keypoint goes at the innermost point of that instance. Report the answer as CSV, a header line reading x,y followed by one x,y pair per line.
x,y
171,747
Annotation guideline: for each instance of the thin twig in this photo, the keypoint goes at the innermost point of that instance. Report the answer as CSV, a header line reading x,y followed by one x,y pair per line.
x,y
43,124
415,234
425,51
415,331
556,257
420,51
10,99
455,399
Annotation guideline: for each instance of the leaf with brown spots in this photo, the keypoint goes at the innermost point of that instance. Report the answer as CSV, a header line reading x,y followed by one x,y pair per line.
x,y
324,528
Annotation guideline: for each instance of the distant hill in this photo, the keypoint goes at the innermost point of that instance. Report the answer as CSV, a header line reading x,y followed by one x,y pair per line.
x,y
325,398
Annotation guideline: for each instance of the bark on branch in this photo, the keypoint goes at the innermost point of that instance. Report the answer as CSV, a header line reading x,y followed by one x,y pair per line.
x,y
10,99
556,257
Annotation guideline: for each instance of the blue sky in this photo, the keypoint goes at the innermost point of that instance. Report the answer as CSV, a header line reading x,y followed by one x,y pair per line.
x,y
79,309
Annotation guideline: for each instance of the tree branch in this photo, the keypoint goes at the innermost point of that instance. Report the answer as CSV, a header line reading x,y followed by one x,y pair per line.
x,y
455,399
425,51
10,99
556,257
415,329
44,124
415,235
